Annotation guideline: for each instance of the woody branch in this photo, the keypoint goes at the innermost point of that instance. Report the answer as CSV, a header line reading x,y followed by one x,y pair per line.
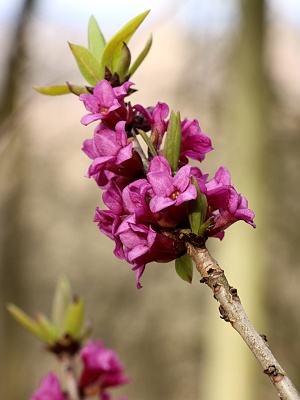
x,y
232,311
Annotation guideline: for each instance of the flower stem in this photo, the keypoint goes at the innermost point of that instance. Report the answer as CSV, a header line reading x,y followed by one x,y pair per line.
x,y
67,362
232,311
138,148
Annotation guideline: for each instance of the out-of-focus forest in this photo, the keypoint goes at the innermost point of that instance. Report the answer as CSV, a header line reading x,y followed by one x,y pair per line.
x,y
238,73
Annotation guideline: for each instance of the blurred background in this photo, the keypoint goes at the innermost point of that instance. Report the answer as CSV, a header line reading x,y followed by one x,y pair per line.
x,y
233,65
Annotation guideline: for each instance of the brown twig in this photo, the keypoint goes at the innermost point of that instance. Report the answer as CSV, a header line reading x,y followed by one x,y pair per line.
x,y
67,362
232,311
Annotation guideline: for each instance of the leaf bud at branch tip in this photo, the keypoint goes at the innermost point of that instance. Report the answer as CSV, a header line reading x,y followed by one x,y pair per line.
x,y
65,331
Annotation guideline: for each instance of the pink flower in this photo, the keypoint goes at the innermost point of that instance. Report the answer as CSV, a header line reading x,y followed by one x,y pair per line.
x,y
108,223
194,143
156,118
108,149
101,369
104,101
49,389
135,199
169,190
230,205
143,245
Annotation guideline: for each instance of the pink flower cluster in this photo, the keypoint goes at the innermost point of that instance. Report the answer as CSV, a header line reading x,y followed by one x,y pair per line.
x,y
145,200
101,371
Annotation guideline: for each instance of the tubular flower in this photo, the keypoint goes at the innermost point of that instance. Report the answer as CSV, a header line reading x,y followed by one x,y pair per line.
x,y
104,102
156,117
101,369
49,389
109,149
142,245
169,190
194,144
227,203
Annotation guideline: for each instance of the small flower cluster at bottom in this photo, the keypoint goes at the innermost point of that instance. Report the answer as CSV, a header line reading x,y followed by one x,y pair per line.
x,y
101,371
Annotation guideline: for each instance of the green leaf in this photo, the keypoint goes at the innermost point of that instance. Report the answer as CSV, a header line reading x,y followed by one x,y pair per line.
x,y
141,57
88,64
205,226
49,332
76,89
53,90
113,48
96,39
197,209
61,300
184,268
25,321
148,142
173,141
124,63
74,317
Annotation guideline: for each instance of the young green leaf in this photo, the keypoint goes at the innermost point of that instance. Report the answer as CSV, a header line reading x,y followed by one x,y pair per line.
x,y
76,89
61,300
88,64
113,48
197,209
49,332
96,39
148,142
203,228
141,57
53,90
173,141
24,320
184,268
124,63
74,317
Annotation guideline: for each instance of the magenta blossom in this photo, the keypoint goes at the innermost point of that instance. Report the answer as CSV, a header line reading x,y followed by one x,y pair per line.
x,y
110,144
230,205
156,118
101,369
194,143
112,198
49,389
108,223
108,149
169,190
143,245
136,201
104,101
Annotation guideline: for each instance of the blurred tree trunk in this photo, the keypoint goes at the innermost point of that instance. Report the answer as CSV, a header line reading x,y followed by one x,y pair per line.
x,y
12,239
14,73
244,124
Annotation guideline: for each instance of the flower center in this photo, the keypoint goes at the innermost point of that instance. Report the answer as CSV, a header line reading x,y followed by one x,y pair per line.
x,y
175,195
103,110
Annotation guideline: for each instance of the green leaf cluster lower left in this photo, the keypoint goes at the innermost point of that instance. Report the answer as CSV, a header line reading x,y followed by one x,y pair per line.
x,y
65,330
